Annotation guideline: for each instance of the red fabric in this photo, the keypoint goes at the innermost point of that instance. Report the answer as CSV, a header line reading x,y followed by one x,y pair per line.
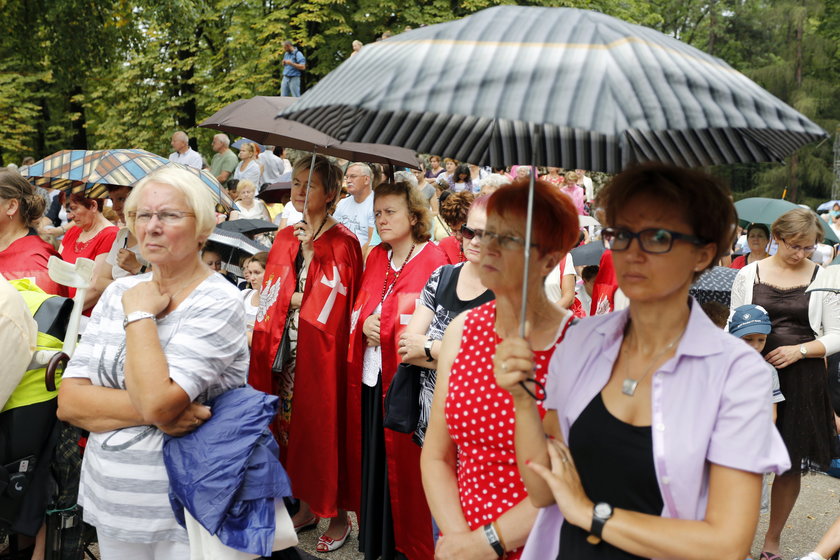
x,y
481,422
28,257
412,518
739,262
605,286
100,244
452,249
577,308
323,456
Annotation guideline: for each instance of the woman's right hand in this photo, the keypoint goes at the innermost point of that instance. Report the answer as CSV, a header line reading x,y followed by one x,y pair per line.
x,y
188,421
371,330
513,364
296,301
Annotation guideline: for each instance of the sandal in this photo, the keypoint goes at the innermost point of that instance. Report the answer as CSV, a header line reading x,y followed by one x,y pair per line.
x,y
307,525
328,544
769,556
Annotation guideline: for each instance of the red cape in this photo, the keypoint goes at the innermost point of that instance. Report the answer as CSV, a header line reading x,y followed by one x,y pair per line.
x,y
412,518
323,456
605,286
452,248
27,257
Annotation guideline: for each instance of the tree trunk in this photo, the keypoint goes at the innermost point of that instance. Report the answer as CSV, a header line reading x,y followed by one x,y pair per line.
x,y
79,139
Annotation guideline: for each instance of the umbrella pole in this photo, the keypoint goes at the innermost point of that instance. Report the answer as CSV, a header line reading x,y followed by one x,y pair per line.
x,y
528,221
308,183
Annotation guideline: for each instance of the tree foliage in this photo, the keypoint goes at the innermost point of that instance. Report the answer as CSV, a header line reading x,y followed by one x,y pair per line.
x,y
127,73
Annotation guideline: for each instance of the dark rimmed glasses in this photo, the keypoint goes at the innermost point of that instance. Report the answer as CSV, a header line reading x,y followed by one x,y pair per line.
x,y
655,241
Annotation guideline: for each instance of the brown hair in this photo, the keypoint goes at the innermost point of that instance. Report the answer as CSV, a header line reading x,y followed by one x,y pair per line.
x,y
699,198
798,222
555,224
456,207
416,207
330,174
15,187
261,257
81,200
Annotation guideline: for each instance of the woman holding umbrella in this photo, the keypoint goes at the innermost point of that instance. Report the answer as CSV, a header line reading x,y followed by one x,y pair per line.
x,y
680,405
298,352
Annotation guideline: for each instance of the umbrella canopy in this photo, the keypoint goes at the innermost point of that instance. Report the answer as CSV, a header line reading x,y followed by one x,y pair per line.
x,y
239,143
248,226
767,210
233,246
608,94
253,118
274,192
589,254
715,285
826,206
92,171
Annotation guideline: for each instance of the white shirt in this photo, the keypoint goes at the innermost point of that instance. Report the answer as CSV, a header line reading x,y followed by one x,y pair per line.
x,y
190,157
290,214
554,280
273,167
356,216
251,173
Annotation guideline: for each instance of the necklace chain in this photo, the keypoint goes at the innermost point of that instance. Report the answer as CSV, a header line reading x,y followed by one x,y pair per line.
x,y
629,385
385,286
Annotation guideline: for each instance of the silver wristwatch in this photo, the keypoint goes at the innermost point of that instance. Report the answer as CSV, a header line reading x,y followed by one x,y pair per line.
x,y
803,350
138,316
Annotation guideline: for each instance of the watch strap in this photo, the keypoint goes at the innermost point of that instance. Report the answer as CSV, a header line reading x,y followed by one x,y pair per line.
x,y
598,522
428,348
493,539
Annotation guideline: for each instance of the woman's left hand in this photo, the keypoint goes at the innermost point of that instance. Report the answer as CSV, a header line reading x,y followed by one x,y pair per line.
x,y
188,421
303,233
464,546
412,346
564,481
145,296
783,356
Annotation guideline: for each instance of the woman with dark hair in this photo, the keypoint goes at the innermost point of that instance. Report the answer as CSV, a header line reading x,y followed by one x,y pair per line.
x,y
254,270
806,329
461,179
469,462
23,254
453,211
310,279
680,405
91,237
394,516
758,239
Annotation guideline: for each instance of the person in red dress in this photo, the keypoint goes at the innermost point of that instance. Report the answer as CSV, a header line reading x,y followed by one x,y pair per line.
x,y
758,239
470,475
311,277
91,238
23,254
395,520
454,212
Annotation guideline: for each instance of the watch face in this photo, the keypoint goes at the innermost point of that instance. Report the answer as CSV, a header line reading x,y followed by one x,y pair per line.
x,y
603,510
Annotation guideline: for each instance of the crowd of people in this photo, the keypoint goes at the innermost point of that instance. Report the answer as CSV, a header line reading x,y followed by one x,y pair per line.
x,y
619,421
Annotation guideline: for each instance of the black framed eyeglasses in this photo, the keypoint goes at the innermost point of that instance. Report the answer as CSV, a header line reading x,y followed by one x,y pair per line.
x,y
655,241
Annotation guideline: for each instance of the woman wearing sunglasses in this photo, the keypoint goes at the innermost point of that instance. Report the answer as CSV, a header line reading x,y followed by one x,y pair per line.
x,y
468,462
806,328
659,424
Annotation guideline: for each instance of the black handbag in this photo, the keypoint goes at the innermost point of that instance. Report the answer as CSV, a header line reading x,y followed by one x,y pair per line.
x,y
402,402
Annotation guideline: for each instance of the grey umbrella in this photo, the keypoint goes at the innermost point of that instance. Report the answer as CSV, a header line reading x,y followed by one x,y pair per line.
x,y
715,285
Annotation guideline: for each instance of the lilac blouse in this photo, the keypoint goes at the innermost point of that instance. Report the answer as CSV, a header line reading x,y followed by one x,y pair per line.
x,y
711,403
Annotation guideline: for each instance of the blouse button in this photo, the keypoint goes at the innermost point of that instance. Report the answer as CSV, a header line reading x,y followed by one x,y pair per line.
x,y
666,480
660,427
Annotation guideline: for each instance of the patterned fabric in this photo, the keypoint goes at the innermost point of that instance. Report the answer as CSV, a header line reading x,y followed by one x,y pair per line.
x,y
124,486
552,100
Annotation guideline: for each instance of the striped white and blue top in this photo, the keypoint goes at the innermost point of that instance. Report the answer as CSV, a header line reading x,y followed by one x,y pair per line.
x,y
124,486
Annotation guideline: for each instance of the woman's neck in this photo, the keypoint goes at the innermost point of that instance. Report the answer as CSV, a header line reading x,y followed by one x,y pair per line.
x,y
655,324
400,250
13,231
540,314
784,265
246,203
98,223
758,255
172,277
316,220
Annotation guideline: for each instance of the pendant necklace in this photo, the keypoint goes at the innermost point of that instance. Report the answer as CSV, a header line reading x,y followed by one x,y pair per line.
x,y
628,386
386,287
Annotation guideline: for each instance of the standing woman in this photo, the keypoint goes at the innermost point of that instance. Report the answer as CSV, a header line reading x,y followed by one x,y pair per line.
x,y
806,329
254,270
310,279
394,518
758,238
680,405
434,169
453,211
23,254
249,167
469,461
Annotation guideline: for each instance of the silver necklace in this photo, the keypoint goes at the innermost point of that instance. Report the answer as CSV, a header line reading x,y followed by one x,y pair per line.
x,y
629,385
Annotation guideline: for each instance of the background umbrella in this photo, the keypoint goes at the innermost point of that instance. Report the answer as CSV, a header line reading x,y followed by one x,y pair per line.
x,y
767,210
248,226
607,94
233,247
826,206
274,192
715,285
92,171
239,143
589,254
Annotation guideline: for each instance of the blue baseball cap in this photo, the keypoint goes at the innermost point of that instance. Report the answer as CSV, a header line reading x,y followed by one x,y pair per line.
x,y
749,319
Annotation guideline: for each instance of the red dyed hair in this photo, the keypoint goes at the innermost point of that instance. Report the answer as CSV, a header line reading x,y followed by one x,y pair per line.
x,y
555,224
82,200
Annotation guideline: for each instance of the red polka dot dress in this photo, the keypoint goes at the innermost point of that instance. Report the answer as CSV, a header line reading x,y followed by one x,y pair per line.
x,y
481,422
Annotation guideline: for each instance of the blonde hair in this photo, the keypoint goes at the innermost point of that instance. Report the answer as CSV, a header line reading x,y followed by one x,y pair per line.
x,y
798,223
572,177
244,183
200,199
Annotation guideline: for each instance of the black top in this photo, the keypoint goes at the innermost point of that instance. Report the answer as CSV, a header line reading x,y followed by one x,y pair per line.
x,y
615,462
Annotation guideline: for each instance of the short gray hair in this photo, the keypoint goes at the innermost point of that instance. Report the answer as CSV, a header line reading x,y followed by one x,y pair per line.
x,y
223,138
181,135
365,169
405,176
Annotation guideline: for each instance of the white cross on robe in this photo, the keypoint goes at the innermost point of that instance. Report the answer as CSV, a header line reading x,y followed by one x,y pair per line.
x,y
336,288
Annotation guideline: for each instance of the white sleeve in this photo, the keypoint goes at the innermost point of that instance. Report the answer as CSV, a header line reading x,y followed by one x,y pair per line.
x,y
569,265
830,322
739,289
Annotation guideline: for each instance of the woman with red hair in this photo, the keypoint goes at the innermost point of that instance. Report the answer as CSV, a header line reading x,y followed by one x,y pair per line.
x,y
468,462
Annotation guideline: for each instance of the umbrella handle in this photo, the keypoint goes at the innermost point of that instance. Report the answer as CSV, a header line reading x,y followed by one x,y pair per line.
x,y
58,359
528,223
308,183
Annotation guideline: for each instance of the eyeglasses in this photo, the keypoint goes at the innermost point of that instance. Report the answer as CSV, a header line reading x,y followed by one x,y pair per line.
x,y
796,248
507,242
167,217
654,241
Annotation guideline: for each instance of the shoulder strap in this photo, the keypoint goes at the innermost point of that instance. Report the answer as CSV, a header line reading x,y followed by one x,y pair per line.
x,y
814,274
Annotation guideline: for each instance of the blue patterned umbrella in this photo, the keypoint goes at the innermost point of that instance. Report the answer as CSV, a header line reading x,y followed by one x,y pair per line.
x,y
715,285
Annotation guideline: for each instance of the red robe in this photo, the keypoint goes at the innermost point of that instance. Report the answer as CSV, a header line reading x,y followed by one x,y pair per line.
x,y
412,518
453,250
27,257
605,286
323,456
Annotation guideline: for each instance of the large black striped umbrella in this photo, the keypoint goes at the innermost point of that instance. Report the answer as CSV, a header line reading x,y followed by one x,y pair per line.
x,y
552,86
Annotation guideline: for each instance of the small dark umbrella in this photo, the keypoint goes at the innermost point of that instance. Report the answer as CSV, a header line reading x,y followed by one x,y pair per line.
x,y
274,192
233,246
248,227
589,254
715,285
